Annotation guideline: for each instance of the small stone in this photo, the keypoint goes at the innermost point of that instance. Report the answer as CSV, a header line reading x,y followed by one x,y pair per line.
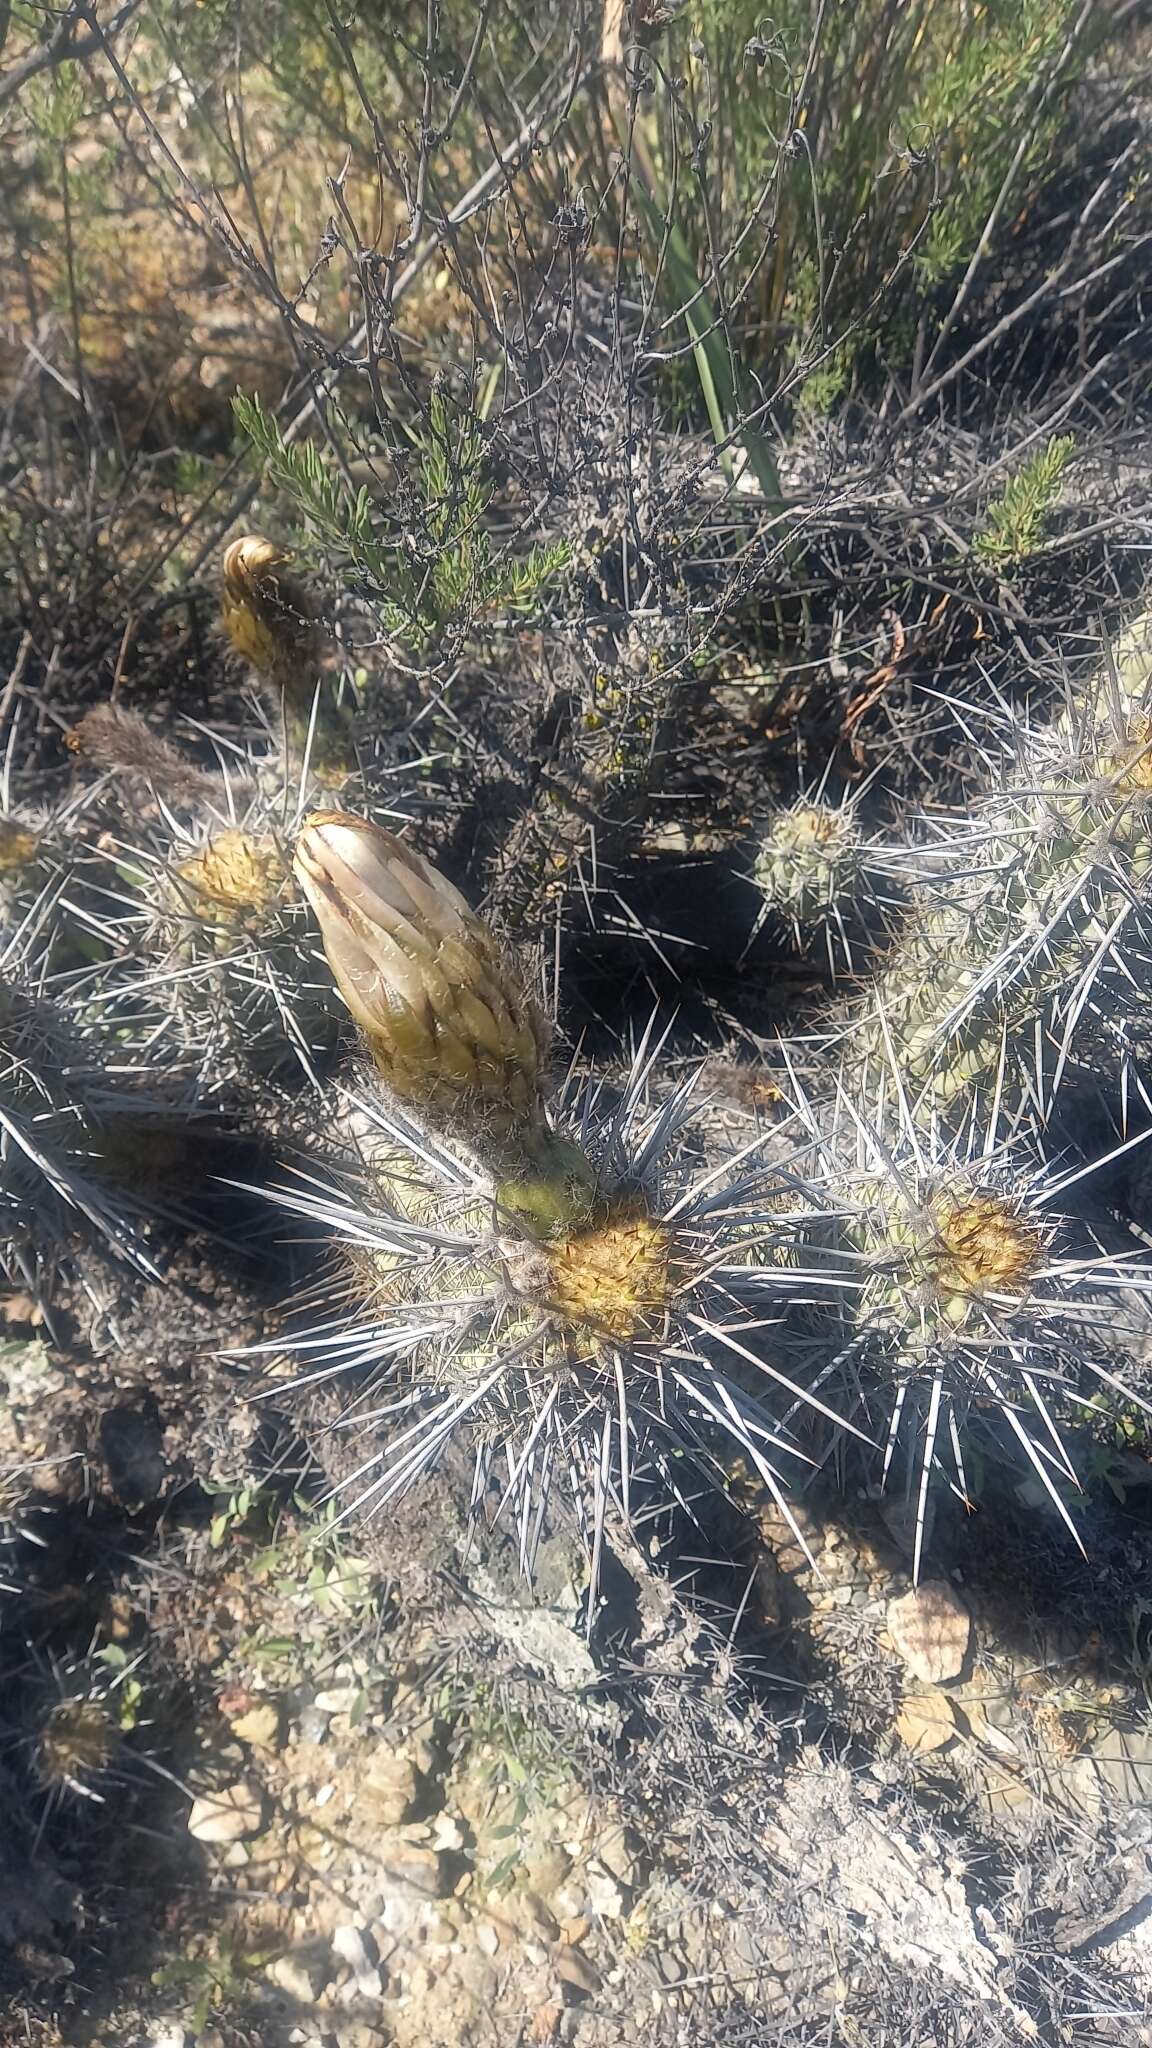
x,y
348,1943
390,1789
615,1853
447,1832
168,2035
421,1868
575,1974
337,1699
487,1938
984,1716
604,1894
228,1815
930,1628
301,1974
312,1724
395,1918
259,1727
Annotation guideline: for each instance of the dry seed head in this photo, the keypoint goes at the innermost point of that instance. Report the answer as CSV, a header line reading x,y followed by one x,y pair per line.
x,y
982,1245
445,1018
77,1742
18,846
236,877
267,612
124,742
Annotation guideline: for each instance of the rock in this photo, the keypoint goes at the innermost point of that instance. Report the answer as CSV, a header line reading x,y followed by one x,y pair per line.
x,y
312,1724
390,1790
447,1833
989,1717
486,1937
337,1699
615,1853
228,1815
413,1865
930,1628
1122,1759
301,1974
349,1944
605,1897
168,2035
926,1722
575,1974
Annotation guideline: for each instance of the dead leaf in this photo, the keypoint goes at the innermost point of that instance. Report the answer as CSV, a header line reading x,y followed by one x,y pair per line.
x,y
926,1722
20,1308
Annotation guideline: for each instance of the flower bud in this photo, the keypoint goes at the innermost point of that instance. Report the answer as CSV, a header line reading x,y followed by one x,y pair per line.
x,y
446,1021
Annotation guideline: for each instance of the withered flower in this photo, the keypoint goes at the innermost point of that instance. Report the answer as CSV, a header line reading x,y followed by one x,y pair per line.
x,y
272,620
268,612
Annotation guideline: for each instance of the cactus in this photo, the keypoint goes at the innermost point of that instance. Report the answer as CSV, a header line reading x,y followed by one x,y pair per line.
x,y
961,1291
592,785
227,987
817,870
576,1283
1026,952
64,1127
215,974
82,1710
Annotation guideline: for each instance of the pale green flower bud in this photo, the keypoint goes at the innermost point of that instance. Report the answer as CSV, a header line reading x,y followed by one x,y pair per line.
x,y
446,1020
